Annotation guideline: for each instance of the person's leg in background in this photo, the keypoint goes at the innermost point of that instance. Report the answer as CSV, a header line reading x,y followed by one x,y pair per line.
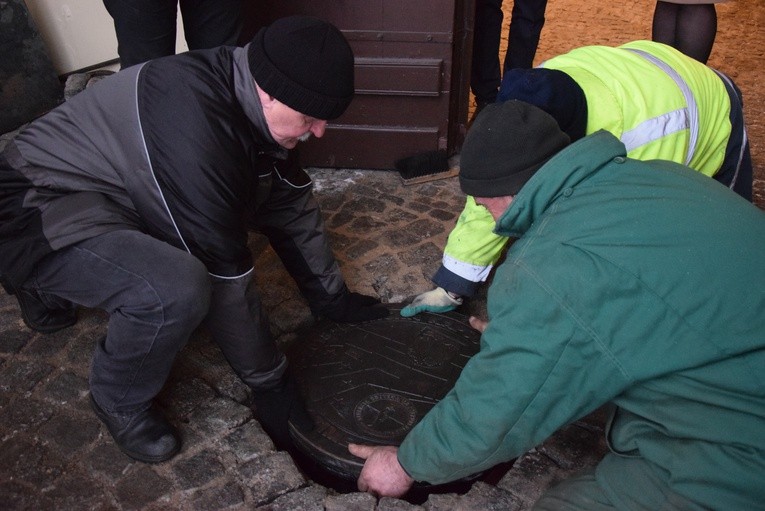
x,y
528,18
146,29
211,23
690,28
485,72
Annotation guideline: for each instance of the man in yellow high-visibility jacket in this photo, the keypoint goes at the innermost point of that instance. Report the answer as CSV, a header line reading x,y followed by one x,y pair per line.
x,y
660,103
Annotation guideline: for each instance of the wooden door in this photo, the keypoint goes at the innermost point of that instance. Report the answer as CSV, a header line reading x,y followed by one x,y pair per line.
x,y
411,77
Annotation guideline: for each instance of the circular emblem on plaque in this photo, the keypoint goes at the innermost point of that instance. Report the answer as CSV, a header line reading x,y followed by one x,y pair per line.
x,y
385,415
371,382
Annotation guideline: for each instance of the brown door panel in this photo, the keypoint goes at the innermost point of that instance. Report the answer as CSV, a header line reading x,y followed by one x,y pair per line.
x,y
410,97
382,145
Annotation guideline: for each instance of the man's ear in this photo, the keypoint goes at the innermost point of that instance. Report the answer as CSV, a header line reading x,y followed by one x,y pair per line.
x,y
266,100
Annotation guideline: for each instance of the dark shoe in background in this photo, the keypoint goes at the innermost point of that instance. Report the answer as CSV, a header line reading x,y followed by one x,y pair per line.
x,y
145,436
37,315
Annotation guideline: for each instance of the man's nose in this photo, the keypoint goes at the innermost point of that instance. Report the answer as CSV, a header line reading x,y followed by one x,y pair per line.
x,y
318,128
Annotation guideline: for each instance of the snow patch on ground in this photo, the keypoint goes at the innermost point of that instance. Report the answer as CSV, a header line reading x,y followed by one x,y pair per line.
x,y
334,180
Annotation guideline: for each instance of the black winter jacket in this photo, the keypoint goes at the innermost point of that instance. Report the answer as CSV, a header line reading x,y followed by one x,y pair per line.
x,y
177,148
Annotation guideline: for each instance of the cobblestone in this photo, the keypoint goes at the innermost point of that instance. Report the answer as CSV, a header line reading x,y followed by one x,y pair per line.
x,y
54,453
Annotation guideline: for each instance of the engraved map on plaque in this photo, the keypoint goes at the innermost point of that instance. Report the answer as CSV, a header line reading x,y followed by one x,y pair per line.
x,y
370,383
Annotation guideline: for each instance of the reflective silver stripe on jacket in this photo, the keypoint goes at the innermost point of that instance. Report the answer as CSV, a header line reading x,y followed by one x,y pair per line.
x,y
671,122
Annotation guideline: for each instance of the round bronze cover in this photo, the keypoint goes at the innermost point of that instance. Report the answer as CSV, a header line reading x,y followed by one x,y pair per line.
x,y
370,383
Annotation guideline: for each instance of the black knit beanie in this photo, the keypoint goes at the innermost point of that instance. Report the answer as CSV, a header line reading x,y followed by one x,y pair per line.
x,y
507,143
305,63
553,91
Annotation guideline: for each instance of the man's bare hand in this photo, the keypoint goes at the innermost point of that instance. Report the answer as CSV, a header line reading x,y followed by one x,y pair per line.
x,y
382,474
478,324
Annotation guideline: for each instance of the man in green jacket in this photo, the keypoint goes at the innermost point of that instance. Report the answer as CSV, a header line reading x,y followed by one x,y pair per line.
x,y
660,103
632,283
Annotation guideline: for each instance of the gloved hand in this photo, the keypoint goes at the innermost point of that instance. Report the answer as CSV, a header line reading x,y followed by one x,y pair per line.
x,y
354,308
436,300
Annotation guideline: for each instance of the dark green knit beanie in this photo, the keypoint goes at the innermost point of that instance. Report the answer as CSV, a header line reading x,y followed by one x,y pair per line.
x,y
507,143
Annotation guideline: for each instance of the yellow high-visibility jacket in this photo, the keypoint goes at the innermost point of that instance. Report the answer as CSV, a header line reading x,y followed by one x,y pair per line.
x,y
659,102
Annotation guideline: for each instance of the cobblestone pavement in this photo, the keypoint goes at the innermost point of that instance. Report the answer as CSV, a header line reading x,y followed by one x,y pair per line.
x,y
54,453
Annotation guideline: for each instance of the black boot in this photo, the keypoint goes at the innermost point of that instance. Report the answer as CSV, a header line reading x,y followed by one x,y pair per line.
x,y
145,436
277,407
37,315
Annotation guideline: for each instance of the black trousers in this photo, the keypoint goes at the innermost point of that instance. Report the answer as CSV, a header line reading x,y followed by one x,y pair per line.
x,y
146,29
528,18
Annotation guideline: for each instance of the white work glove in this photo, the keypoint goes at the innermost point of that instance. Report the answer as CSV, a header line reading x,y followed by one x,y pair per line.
x,y
436,300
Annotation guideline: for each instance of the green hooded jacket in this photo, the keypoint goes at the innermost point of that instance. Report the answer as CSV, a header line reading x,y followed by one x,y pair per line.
x,y
636,283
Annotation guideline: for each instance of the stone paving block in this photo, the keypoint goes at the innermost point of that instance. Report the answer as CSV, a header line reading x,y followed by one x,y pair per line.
x,y
530,475
26,414
330,203
427,255
399,216
12,339
218,416
418,207
415,232
66,387
198,470
360,248
574,447
304,499
15,495
271,476
181,396
340,219
389,504
23,375
140,486
248,441
340,242
383,265
350,502
74,491
30,461
360,207
106,458
70,434
384,189
218,498
47,345
480,497
443,215
366,224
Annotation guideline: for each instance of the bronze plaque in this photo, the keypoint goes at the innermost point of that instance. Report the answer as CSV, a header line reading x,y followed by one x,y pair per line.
x,y
370,383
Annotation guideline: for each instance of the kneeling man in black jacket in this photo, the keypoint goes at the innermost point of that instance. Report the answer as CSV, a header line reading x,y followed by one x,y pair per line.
x,y
136,197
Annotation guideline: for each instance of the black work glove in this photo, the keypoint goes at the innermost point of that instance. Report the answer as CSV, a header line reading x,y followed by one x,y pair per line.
x,y
276,407
354,308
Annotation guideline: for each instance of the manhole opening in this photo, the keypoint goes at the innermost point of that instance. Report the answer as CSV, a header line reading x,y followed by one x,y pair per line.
x,y
419,493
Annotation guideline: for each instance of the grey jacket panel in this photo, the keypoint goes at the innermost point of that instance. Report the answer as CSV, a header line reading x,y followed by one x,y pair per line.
x,y
292,220
79,148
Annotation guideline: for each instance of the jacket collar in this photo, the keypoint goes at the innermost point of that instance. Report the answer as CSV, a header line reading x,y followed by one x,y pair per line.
x,y
558,177
247,95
